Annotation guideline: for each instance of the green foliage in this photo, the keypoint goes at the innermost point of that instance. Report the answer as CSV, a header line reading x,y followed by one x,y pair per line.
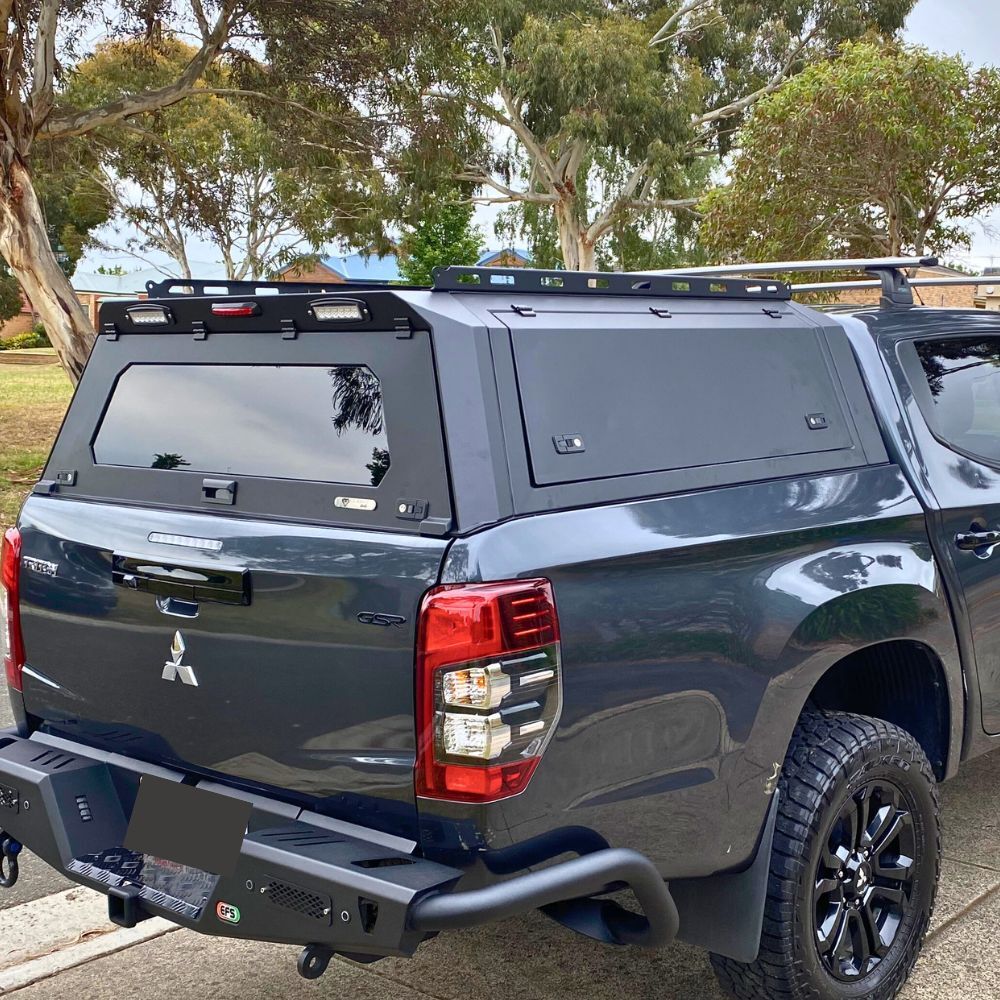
x,y
74,200
11,299
607,131
446,236
35,337
210,167
881,151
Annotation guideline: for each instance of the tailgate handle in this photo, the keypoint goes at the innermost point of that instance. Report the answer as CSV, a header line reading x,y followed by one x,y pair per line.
x,y
186,583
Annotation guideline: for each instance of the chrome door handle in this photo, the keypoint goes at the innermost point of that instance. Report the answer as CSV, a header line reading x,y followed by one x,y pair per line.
x,y
970,541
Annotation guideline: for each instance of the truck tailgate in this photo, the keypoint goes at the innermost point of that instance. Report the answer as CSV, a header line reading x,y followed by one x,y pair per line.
x,y
308,688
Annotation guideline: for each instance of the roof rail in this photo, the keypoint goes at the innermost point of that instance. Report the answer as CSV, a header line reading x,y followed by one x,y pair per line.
x,y
890,271
529,280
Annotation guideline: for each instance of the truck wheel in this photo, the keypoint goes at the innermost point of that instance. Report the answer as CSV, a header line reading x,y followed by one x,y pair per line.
x,y
854,867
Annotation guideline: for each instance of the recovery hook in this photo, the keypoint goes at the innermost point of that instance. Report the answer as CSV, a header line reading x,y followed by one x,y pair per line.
x,y
314,960
9,850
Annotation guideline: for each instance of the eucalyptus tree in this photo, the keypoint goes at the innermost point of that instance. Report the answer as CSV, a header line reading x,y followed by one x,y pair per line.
x,y
887,149
209,167
275,49
606,105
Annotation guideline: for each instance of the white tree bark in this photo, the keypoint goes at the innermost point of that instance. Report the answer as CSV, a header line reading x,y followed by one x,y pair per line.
x,y
27,113
24,245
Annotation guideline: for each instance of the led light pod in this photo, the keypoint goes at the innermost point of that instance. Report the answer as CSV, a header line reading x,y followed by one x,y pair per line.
x,y
149,315
338,310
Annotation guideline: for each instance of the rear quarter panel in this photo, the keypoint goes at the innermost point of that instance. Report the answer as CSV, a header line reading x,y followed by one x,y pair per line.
x,y
694,628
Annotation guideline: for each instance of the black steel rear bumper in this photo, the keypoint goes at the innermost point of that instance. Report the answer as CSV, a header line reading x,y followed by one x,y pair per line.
x,y
301,878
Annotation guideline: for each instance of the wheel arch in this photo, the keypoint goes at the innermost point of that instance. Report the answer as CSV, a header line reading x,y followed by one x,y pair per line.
x,y
902,681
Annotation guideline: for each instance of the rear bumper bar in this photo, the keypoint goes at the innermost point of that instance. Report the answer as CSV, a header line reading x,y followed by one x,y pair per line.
x,y
301,878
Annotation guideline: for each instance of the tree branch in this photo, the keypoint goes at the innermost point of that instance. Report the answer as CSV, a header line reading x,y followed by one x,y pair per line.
x,y
737,107
664,34
70,122
44,69
507,195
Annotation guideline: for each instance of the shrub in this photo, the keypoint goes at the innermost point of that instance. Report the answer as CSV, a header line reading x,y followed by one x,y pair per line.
x,y
35,337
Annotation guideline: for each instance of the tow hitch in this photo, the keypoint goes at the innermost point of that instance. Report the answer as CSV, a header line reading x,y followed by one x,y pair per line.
x,y
9,850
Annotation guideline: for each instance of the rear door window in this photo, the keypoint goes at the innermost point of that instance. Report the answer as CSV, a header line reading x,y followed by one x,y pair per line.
x,y
275,421
959,394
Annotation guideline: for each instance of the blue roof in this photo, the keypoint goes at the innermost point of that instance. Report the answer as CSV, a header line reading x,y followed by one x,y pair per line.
x,y
492,256
358,267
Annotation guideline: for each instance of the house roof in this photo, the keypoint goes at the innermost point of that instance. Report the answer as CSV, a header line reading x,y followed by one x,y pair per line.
x,y
492,256
134,283
361,267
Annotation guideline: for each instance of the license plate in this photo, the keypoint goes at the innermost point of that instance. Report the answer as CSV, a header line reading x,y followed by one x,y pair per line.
x,y
191,827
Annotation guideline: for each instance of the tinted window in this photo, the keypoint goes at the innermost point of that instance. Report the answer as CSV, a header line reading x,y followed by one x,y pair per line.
x,y
275,421
963,407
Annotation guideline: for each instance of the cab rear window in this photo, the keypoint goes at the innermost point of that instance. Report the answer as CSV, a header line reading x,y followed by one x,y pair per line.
x,y
318,423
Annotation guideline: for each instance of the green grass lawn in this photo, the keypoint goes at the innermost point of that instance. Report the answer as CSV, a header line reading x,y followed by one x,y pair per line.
x,y
33,399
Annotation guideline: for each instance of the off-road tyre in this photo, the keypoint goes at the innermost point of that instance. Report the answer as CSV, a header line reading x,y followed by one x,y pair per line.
x,y
833,758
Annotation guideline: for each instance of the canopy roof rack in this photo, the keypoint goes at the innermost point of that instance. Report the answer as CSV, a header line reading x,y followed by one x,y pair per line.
x,y
497,279
527,280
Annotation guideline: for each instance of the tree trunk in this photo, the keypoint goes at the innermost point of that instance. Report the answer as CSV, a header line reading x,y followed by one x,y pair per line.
x,y
24,245
578,253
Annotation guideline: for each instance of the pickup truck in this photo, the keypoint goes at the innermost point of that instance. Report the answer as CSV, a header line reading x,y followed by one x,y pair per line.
x,y
342,616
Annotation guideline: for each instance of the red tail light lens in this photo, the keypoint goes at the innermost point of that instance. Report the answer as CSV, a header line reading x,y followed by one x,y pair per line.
x,y
11,642
235,309
489,688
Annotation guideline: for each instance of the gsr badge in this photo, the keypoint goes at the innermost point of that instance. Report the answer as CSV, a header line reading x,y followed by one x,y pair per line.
x,y
378,618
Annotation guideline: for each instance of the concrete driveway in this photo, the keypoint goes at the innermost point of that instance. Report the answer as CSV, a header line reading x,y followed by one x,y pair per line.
x,y
525,958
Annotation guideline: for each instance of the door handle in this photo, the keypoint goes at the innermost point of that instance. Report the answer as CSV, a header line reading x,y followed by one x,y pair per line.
x,y
192,584
970,541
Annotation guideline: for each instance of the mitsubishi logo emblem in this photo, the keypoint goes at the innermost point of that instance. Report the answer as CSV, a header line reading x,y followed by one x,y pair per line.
x,y
173,668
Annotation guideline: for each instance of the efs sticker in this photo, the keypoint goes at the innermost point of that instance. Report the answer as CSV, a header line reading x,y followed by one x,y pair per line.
x,y
227,913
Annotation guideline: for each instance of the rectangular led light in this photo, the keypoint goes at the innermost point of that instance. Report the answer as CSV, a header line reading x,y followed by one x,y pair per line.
x,y
149,315
338,310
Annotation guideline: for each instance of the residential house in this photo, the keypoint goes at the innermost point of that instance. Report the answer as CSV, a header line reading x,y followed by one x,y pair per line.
x,y
508,257
368,267
336,270
951,296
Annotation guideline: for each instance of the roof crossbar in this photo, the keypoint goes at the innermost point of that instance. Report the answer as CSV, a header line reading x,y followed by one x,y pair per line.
x,y
791,266
890,271
839,286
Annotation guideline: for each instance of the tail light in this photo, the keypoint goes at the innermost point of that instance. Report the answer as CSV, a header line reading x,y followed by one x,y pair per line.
x,y
489,688
11,642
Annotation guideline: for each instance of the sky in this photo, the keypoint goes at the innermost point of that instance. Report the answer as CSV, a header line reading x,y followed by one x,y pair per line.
x,y
968,27
971,28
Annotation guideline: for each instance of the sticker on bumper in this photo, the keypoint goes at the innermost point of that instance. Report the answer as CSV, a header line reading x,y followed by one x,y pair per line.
x,y
227,913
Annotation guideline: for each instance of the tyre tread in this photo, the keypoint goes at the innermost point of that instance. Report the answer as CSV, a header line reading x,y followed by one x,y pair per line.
x,y
824,747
